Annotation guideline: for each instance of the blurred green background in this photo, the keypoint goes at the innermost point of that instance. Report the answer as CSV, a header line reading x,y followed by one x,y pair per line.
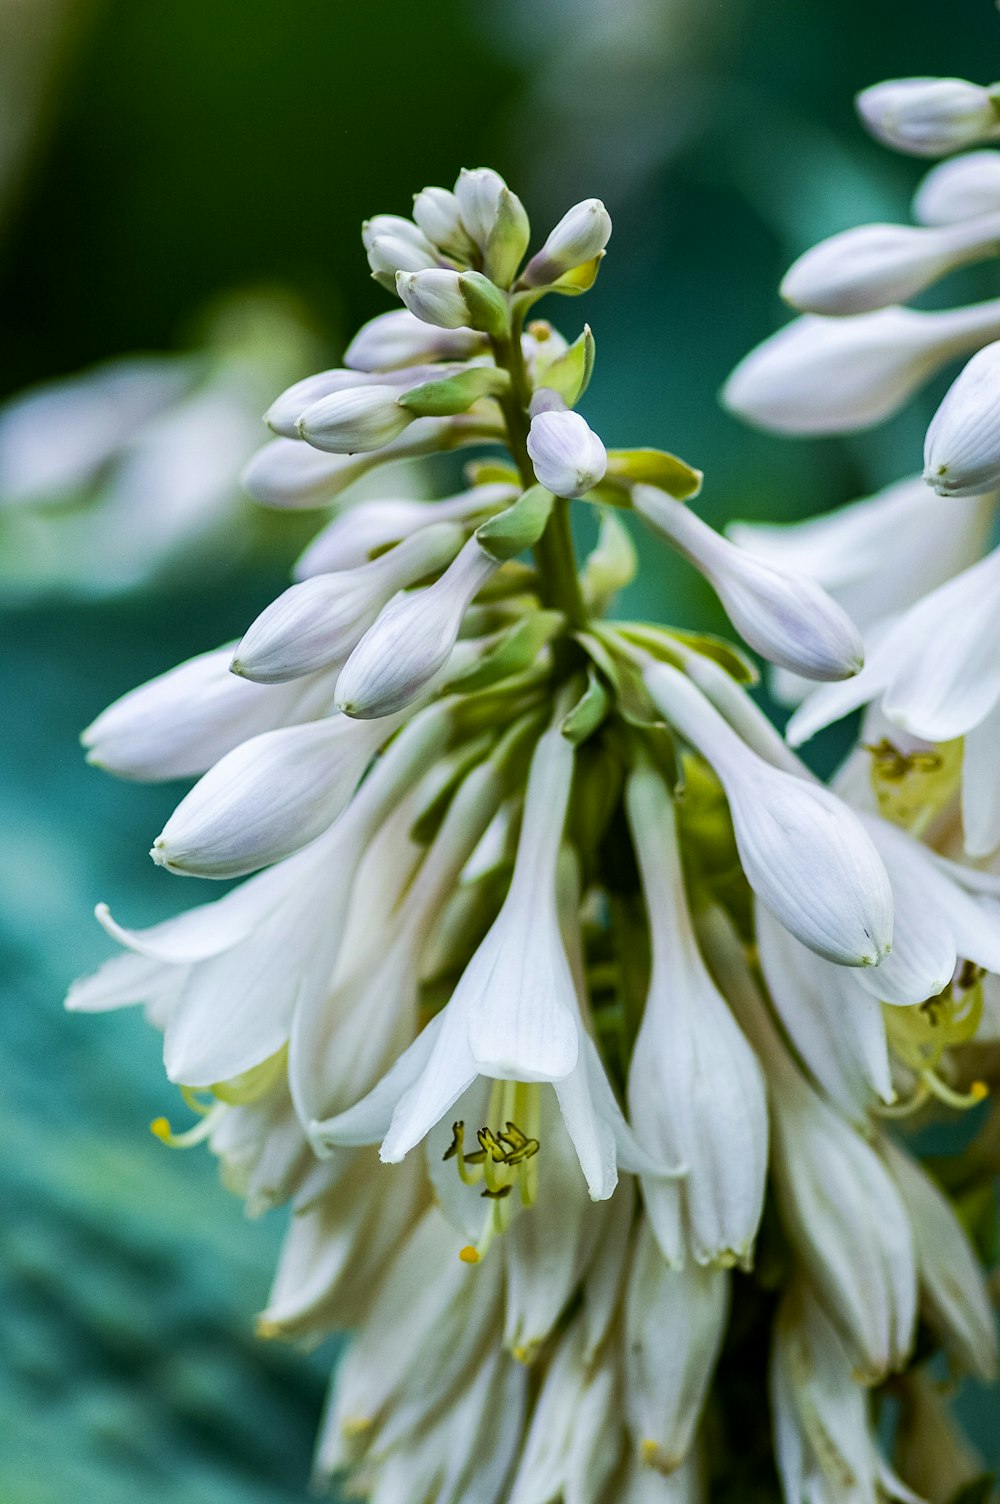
x,y
156,155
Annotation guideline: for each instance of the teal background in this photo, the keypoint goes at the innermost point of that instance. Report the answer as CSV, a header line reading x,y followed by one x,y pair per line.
x,y
186,149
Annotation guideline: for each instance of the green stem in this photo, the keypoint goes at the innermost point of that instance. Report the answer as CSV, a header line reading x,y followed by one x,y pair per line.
x,y
559,583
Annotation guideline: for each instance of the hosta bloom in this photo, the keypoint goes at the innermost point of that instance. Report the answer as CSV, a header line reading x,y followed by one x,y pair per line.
x,y
567,456
962,451
929,116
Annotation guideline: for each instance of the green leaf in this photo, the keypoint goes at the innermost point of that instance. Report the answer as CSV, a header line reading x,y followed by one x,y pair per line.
x,y
589,711
654,467
455,394
634,704
516,651
569,372
518,526
659,641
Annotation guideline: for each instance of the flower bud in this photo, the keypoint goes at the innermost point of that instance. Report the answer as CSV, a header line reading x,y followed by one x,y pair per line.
x,y
267,798
785,617
580,235
567,456
399,339
821,375
478,193
805,854
508,239
411,640
435,297
963,188
318,623
437,212
356,421
395,244
872,266
928,117
962,448
289,473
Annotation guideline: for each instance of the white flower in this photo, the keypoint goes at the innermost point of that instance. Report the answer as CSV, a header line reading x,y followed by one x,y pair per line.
x,y
839,1206
822,375
963,188
674,1324
928,116
370,526
580,235
411,640
695,1089
478,193
567,456
392,252
354,421
871,266
400,339
183,721
320,621
952,1285
805,853
821,1420
268,797
513,1016
962,448
439,215
282,417
786,617
224,979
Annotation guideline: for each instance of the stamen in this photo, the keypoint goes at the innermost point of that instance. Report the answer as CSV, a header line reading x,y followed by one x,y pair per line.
x,y
161,1129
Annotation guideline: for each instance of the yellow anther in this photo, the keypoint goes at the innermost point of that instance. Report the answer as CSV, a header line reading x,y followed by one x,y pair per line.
x,y
649,1452
160,1128
979,1091
267,1330
356,1426
468,1254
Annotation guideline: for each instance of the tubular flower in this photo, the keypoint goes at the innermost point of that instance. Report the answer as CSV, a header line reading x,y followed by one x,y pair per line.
x,y
541,905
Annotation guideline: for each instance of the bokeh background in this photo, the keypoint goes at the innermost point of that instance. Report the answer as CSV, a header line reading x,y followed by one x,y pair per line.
x,y
186,181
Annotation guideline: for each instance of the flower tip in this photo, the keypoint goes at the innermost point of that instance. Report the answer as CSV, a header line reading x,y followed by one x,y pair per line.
x,y
158,851
238,668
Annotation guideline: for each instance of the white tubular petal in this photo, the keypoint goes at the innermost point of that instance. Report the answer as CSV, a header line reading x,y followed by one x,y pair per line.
x,y
267,798
211,927
319,622
964,188
666,1380
873,266
695,1089
399,339
182,722
286,409
946,656
567,456
785,617
291,475
924,954
835,1026
962,449
805,854
981,787
410,642
563,1455
121,982
831,702
478,192
928,117
350,539
580,235
952,1282
820,375
356,421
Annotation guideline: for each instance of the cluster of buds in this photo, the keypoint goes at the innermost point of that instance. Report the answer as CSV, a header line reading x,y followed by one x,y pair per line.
x,y
494,841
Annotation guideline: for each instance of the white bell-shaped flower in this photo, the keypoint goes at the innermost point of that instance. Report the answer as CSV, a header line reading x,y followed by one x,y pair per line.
x,y
567,456
804,853
962,188
929,117
580,235
411,640
821,375
674,1324
873,266
785,617
435,297
320,621
695,1089
962,448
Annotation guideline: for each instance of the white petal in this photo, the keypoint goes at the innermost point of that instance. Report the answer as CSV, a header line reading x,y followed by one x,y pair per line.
x,y
963,188
567,456
120,983
961,450
981,786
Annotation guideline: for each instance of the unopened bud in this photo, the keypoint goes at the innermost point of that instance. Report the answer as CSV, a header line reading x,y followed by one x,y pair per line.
x,y
437,212
399,339
478,193
439,297
963,188
929,117
392,251
354,422
962,449
567,456
580,235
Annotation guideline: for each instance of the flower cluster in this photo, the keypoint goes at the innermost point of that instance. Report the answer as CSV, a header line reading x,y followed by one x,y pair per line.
x,y
494,842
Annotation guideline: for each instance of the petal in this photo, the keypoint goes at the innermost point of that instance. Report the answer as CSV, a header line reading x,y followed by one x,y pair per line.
x,y
981,786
